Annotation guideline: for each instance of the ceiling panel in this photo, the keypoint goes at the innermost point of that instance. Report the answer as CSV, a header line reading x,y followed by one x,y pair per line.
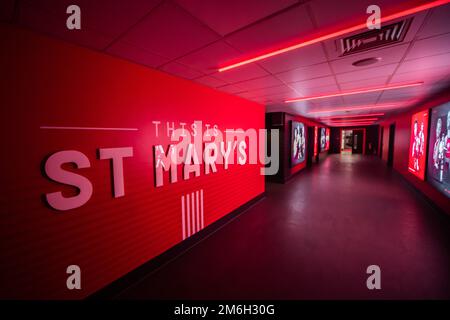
x,y
427,75
331,14
328,103
308,56
106,17
400,100
405,93
362,99
280,97
437,23
193,38
181,70
312,91
225,16
283,89
264,82
305,73
314,83
246,72
368,73
333,46
429,47
436,61
387,55
210,81
210,58
272,32
47,22
372,82
135,54
231,88
170,31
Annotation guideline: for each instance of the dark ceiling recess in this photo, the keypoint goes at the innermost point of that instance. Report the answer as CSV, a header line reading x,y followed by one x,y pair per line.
x,y
366,62
385,36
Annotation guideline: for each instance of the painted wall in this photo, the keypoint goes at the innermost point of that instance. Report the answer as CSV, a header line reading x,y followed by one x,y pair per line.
x,y
401,149
50,83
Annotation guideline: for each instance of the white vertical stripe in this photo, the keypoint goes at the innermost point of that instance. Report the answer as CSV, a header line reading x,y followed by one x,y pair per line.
x,y
193,213
197,210
201,208
183,219
188,217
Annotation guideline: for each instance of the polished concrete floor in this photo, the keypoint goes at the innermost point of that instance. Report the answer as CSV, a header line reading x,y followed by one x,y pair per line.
x,y
313,238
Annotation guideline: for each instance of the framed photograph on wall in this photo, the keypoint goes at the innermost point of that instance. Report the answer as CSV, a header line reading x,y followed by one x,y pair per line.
x,y
418,140
298,143
323,139
438,167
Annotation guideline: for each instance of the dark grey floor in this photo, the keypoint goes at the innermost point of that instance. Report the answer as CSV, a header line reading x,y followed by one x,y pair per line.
x,y
313,238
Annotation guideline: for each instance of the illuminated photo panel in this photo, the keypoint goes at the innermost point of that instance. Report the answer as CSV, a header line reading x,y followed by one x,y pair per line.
x,y
438,171
298,143
418,144
316,143
323,139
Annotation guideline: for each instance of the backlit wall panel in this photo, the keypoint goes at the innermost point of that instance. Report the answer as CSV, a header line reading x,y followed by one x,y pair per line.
x,y
51,91
439,149
298,143
323,139
418,144
316,143
327,139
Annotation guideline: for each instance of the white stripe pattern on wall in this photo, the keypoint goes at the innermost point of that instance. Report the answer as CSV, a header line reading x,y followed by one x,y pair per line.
x,y
192,214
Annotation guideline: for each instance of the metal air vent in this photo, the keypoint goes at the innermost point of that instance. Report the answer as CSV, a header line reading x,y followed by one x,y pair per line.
x,y
385,36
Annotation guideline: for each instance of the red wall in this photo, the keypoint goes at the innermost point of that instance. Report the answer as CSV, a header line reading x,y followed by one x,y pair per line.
x,y
50,83
401,149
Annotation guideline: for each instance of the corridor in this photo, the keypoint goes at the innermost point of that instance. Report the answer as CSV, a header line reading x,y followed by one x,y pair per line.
x,y
313,238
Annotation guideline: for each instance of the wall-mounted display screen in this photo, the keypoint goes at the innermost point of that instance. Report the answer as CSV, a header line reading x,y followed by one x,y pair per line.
x,y
417,144
316,143
323,139
438,173
298,143
327,138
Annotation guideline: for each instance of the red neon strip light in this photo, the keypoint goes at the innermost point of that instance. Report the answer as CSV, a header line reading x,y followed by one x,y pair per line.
x,y
352,124
328,36
350,121
358,91
354,116
354,120
381,106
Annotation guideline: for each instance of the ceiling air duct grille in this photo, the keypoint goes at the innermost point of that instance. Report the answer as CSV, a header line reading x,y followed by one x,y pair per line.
x,y
376,38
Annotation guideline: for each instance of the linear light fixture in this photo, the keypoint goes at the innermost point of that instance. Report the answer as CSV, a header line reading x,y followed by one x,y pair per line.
x,y
356,123
357,91
354,120
352,124
335,34
358,108
354,116
362,120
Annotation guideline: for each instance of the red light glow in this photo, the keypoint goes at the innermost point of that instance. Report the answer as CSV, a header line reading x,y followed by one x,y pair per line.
x,y
335,34
367,107
358,91
351,124
354,120
353,116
